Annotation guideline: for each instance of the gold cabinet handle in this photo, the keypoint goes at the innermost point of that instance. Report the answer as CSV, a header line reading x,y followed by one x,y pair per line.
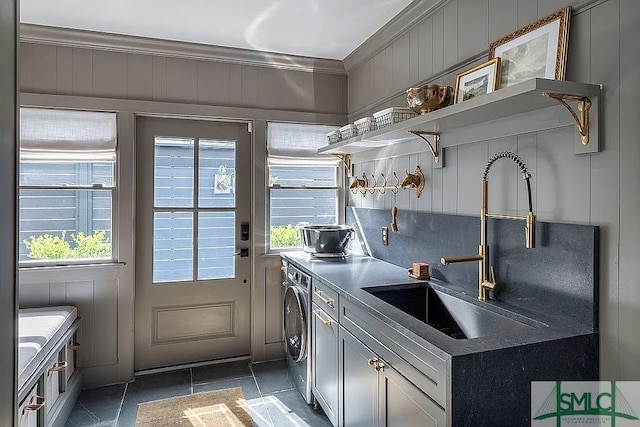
x,y
73,345
325,300
325,321
377,365
35,404
57,367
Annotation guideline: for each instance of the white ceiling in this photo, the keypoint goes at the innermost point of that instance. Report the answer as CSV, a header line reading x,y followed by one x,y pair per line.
x,y
329,29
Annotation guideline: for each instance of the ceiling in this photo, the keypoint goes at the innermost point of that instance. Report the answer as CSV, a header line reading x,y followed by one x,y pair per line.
x,y
330,29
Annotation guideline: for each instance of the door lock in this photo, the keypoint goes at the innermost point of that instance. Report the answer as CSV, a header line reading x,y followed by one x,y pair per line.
x,y
242,252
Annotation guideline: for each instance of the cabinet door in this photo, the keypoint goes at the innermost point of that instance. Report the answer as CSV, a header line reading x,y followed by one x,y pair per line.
x,y
358,383
404,404
325,362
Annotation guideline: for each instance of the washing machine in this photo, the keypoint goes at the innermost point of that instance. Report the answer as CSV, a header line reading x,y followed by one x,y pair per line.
x,y
297,328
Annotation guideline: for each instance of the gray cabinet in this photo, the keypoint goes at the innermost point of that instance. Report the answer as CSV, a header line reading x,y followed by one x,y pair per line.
x,y
404,404
372,393
324,332
325,362
358,383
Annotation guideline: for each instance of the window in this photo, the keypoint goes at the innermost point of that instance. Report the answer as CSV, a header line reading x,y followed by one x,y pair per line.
x,y
66,185
180,207
304,187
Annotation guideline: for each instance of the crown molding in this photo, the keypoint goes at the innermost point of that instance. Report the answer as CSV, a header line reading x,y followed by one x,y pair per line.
x,y
382,38
147,46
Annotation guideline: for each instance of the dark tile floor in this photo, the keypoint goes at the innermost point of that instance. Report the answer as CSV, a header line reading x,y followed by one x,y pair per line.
x,y
267,387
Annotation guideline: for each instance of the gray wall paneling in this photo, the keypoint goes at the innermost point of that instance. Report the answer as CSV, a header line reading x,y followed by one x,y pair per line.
x,y
629,315
8,131
605,185
92,72
599,188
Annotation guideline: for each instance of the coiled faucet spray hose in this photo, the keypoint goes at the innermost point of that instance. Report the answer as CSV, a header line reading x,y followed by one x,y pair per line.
x,y
523,167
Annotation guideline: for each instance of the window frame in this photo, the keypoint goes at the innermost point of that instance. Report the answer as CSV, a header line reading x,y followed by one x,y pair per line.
x,y
339,189
114,190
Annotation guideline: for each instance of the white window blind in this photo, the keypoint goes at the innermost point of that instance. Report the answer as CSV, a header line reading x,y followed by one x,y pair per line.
x,y
48,134
297,140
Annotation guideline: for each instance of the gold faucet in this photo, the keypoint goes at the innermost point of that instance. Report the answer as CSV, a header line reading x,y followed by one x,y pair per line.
x,y
484,284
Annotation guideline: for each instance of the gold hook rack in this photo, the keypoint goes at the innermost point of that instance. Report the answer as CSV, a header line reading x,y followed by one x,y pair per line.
x,y
583,105
435,147
363,185
414,181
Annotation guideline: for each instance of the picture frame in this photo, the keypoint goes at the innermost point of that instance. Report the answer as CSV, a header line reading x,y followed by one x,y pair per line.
x,y
538,50
477,81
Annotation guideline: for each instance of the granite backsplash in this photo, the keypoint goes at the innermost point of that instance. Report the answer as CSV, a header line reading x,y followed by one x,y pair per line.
x,y
559,277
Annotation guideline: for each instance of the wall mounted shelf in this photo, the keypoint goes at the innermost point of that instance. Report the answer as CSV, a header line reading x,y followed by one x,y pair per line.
x,y
526,107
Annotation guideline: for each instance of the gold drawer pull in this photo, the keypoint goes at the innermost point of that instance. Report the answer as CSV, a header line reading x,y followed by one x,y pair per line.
x,y
35,404
73,345
378,366
324,299
325,321
57,367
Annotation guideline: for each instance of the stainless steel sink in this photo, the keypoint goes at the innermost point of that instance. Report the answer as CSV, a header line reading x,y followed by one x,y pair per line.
x,y
453,316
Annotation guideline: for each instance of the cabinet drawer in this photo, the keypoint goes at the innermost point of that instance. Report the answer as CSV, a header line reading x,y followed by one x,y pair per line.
x,y
326,298
30,408
423,367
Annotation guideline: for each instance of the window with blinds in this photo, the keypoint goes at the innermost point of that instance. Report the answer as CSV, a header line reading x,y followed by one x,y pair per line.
x,y
66,186
303,186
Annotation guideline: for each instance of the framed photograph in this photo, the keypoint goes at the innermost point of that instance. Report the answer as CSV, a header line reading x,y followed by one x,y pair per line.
x,y
477,81
538,50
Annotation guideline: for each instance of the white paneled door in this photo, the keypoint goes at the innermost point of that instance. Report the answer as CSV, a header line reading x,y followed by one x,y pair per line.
x,y
192,299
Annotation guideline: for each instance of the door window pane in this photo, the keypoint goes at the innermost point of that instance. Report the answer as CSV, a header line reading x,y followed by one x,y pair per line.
x,y
216,245
173,172
172,246
64,224
216,173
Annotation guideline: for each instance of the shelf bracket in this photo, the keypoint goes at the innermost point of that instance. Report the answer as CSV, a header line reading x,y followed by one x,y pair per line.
x,y
346,161
584,103
435,147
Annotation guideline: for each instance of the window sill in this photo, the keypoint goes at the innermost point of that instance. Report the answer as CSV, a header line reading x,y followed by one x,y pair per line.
x,y
57,267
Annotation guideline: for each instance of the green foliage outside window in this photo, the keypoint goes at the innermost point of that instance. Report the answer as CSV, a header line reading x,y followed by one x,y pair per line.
x,y
46,246
285,237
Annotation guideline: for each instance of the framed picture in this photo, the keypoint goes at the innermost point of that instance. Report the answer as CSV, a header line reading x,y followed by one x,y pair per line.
x,y
477,81
538,50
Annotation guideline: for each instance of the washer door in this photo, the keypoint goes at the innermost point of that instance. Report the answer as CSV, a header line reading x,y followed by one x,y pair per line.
x,y
295,324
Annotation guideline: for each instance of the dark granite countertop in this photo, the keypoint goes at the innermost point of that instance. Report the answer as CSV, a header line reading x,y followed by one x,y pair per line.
x,y
349,275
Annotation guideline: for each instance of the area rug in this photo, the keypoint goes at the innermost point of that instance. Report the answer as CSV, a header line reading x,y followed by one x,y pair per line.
x,y
221,408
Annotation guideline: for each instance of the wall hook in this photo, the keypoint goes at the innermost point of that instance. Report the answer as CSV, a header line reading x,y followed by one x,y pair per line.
x,y
414,180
